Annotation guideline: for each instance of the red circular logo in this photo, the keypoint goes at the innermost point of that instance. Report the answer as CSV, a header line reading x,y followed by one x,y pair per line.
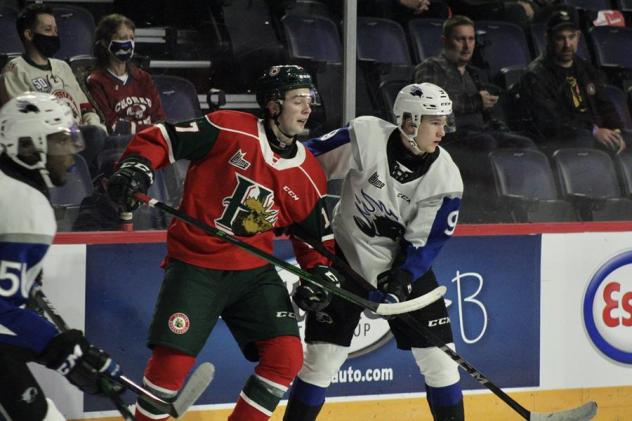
x,y
179,323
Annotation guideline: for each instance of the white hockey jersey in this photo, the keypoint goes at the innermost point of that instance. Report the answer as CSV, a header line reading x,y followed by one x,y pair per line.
x,y
384,201
19,76
27,228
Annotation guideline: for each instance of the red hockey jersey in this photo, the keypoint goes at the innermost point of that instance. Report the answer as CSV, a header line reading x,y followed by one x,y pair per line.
x,y
136,100
238,184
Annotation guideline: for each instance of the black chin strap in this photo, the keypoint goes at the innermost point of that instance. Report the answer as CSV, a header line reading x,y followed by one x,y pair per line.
x,y
276,122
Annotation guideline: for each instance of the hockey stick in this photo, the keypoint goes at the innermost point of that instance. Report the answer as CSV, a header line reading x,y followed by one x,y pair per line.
x,y
383,309
198,382
584,412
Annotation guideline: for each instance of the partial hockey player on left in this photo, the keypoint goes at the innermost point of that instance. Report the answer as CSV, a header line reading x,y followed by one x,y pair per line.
x,y
38,140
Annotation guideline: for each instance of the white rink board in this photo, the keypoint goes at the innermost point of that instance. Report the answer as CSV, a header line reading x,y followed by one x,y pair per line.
x,y
65,286
568,356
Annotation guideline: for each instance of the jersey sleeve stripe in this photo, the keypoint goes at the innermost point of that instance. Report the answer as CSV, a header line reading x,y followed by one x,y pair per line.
x,y
165,135
328,142
232,130
311,181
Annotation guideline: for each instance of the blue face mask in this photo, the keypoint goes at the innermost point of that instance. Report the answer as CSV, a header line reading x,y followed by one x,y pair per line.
x,y
122,50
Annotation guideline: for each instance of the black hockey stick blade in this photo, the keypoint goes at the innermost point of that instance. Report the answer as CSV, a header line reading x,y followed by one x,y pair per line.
x,y
383,309
197,384
582,413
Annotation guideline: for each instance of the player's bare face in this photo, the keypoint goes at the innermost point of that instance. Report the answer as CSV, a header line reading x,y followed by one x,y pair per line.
x,y
459,46
297,106
431,131
565,43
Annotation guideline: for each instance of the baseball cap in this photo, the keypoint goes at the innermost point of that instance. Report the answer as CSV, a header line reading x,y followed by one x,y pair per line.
x,y
565,18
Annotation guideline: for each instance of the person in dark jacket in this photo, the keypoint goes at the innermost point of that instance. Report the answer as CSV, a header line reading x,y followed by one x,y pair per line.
x,y
565,94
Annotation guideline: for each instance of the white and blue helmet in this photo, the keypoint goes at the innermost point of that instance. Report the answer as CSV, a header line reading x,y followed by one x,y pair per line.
x,y
417,100
27,123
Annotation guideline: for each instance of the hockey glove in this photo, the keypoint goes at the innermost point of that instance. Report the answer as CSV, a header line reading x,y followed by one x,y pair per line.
x,y
84,365
134,175
310,297
394,286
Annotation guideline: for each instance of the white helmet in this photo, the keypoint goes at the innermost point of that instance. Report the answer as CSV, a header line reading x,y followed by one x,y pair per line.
x,y
417,100
27,123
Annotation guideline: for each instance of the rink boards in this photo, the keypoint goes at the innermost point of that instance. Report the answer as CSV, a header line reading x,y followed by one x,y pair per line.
x,y
548,317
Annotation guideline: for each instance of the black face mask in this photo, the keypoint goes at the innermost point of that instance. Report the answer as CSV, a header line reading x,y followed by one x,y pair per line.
x,y
47,45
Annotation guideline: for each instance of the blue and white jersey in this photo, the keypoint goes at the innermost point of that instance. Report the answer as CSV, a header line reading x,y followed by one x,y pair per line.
x,y
383,201
27,227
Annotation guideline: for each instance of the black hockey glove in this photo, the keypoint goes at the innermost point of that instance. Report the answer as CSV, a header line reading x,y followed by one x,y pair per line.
x,y
134,175
83,364
310,297
394,286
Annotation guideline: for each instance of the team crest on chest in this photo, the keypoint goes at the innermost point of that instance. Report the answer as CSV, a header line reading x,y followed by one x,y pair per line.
x,y
376,219
238,160
249,210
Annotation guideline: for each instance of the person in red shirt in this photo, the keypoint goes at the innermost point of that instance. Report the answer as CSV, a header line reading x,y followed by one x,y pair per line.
x,y
247,177
125,94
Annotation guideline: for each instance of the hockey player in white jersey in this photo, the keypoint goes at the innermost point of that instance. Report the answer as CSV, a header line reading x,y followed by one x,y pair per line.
x,y
399,205
38,140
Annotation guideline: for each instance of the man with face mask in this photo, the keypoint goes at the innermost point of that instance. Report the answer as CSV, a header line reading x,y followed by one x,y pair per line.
x,y
35,70
38,140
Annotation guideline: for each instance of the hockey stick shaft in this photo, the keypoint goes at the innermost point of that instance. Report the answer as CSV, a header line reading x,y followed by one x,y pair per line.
x,y
581,413
422,330
379,308
198,382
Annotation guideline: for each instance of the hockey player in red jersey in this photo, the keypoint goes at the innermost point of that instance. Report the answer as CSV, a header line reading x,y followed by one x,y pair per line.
x,y
247,176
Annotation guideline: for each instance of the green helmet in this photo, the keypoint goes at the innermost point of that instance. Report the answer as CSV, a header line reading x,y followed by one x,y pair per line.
x,y
275,82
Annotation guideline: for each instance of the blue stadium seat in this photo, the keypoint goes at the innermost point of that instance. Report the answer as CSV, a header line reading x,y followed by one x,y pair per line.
x,y
526,187
8,33
383,55
178,97
538,30
588,179
247,43
502,44
76,31
387,93
612,46
618,98
313,38
382,41
425,35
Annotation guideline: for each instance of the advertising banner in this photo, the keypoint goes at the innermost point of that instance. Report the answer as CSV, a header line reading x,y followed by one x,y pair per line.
x,y
586,329
493,291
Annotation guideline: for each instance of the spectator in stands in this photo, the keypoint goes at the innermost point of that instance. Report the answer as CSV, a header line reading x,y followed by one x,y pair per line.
x,y
479,129
124,93
565,94
36,70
